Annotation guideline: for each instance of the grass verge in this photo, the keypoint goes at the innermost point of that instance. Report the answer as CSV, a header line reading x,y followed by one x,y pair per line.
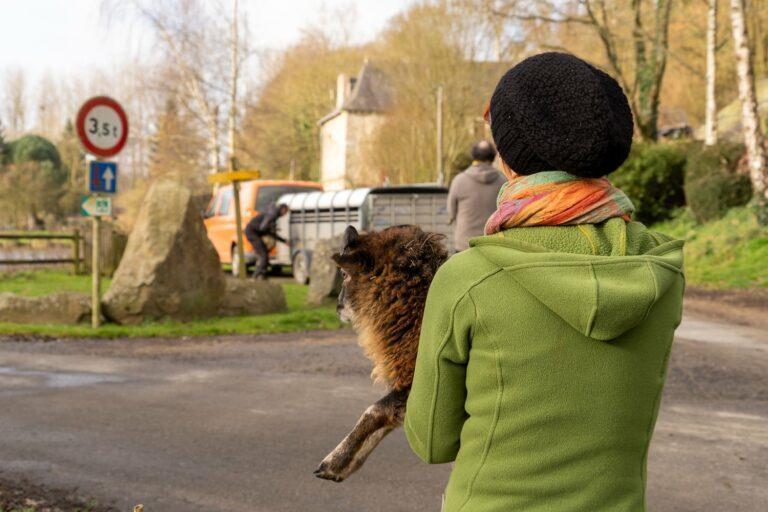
x,y
299,316
728,253
34,283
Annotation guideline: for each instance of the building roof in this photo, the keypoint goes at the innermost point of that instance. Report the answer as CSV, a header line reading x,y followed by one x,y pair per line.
x,y
370,93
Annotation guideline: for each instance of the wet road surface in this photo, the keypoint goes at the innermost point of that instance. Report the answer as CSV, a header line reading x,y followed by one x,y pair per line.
x,y
239,423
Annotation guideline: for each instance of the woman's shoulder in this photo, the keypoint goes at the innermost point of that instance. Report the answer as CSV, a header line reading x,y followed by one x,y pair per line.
x,y
462,271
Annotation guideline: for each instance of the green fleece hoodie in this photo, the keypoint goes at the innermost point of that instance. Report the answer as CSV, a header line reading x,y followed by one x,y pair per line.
x,y
541,362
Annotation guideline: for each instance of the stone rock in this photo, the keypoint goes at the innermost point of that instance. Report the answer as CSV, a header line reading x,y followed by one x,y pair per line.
x,y
324,277
252,297
170,268
56,308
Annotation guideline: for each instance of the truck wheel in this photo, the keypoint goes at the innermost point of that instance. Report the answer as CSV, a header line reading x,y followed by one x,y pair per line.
x,y
300,267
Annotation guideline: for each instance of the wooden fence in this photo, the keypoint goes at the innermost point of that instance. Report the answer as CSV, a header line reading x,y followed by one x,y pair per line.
x,y
111,243
75,238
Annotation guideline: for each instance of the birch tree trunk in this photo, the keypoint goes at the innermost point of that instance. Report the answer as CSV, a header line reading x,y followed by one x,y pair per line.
x,y
710,137
753,136
235,71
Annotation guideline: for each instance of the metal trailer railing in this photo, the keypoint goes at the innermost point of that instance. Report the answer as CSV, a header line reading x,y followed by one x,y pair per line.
x,y
316,216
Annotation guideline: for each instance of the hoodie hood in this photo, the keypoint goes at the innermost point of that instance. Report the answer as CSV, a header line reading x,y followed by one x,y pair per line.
x,y
601,297
483,173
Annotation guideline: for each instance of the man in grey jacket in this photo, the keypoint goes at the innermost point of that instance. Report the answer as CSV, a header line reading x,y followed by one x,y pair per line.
x,y
472,197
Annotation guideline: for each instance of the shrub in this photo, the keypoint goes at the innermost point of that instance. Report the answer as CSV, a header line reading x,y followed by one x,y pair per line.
x,y
712,182
32,181
652,177
33,148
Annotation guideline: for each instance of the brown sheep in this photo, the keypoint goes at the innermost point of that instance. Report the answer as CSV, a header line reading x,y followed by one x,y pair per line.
x,y
386,277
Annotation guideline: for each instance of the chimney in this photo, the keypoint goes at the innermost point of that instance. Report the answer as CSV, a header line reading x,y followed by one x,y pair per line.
x,y
342,90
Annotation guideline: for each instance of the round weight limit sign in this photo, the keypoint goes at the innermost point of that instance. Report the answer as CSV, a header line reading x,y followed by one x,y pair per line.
x,y
102,126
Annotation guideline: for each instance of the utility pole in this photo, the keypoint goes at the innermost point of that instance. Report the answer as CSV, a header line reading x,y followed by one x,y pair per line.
x,y
232,158
234,72
439,121
96,272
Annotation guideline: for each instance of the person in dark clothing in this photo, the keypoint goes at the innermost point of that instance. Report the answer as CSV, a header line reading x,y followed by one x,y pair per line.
x,y
265,223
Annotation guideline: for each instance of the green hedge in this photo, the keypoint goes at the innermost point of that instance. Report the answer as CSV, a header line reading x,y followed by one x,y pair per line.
x,y
33,148
712,183
653,177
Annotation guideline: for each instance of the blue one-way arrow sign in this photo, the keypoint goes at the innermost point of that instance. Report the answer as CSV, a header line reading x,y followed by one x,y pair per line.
x,y
103,177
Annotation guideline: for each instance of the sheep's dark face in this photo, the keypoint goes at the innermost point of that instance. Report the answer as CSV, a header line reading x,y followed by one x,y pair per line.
x,y
378,267
352,262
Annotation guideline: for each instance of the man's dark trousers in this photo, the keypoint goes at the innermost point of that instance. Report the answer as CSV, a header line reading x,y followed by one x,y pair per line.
x,y
262,255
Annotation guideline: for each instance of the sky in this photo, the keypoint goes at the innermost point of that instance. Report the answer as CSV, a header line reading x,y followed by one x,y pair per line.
x,y
72,36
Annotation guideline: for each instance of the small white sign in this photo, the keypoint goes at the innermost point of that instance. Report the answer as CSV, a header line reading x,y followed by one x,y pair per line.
x,y
96,206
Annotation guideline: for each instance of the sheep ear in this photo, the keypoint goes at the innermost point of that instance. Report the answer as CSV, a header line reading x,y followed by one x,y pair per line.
x,y
350,236
343,260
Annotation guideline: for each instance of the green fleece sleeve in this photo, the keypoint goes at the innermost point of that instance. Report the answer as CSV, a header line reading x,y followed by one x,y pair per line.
x,y
435,412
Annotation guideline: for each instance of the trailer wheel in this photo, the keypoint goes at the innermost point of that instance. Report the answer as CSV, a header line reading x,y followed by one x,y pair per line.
x,y
300,267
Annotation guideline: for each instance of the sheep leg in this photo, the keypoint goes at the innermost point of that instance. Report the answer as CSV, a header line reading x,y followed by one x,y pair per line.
x,y
376,422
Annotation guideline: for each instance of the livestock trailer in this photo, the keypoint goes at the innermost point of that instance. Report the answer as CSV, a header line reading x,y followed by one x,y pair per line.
x,y
314,216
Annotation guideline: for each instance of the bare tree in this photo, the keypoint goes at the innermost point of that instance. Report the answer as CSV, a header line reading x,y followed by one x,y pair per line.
x,y
650,66
710,137
640,76
753,136
432,47
15,101
496,37
49,120
194,36
187,35
279,128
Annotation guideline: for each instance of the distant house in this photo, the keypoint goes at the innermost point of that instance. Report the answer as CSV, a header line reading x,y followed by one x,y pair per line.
x,y
345,132
673,124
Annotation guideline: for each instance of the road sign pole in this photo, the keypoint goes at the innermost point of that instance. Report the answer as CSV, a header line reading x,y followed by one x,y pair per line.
x,y
96,274
102,127
239,229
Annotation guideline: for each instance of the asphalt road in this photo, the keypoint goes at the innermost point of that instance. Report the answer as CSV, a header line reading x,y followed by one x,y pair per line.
x,y
238,424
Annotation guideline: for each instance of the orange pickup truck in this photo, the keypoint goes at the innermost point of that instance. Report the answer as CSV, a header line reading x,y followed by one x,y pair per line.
x,y
255,196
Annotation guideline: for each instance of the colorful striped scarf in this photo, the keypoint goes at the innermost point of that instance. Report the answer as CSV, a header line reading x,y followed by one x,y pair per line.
x,y
556,198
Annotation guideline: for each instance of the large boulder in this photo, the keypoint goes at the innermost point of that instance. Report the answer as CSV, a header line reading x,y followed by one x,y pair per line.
x,y
56,308
252,297
324,277
170,268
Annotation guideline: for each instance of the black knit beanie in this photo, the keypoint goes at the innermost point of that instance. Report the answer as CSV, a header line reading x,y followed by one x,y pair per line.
x,y
555,111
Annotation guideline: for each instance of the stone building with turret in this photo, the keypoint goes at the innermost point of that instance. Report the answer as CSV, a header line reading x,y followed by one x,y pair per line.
x,y
361,103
